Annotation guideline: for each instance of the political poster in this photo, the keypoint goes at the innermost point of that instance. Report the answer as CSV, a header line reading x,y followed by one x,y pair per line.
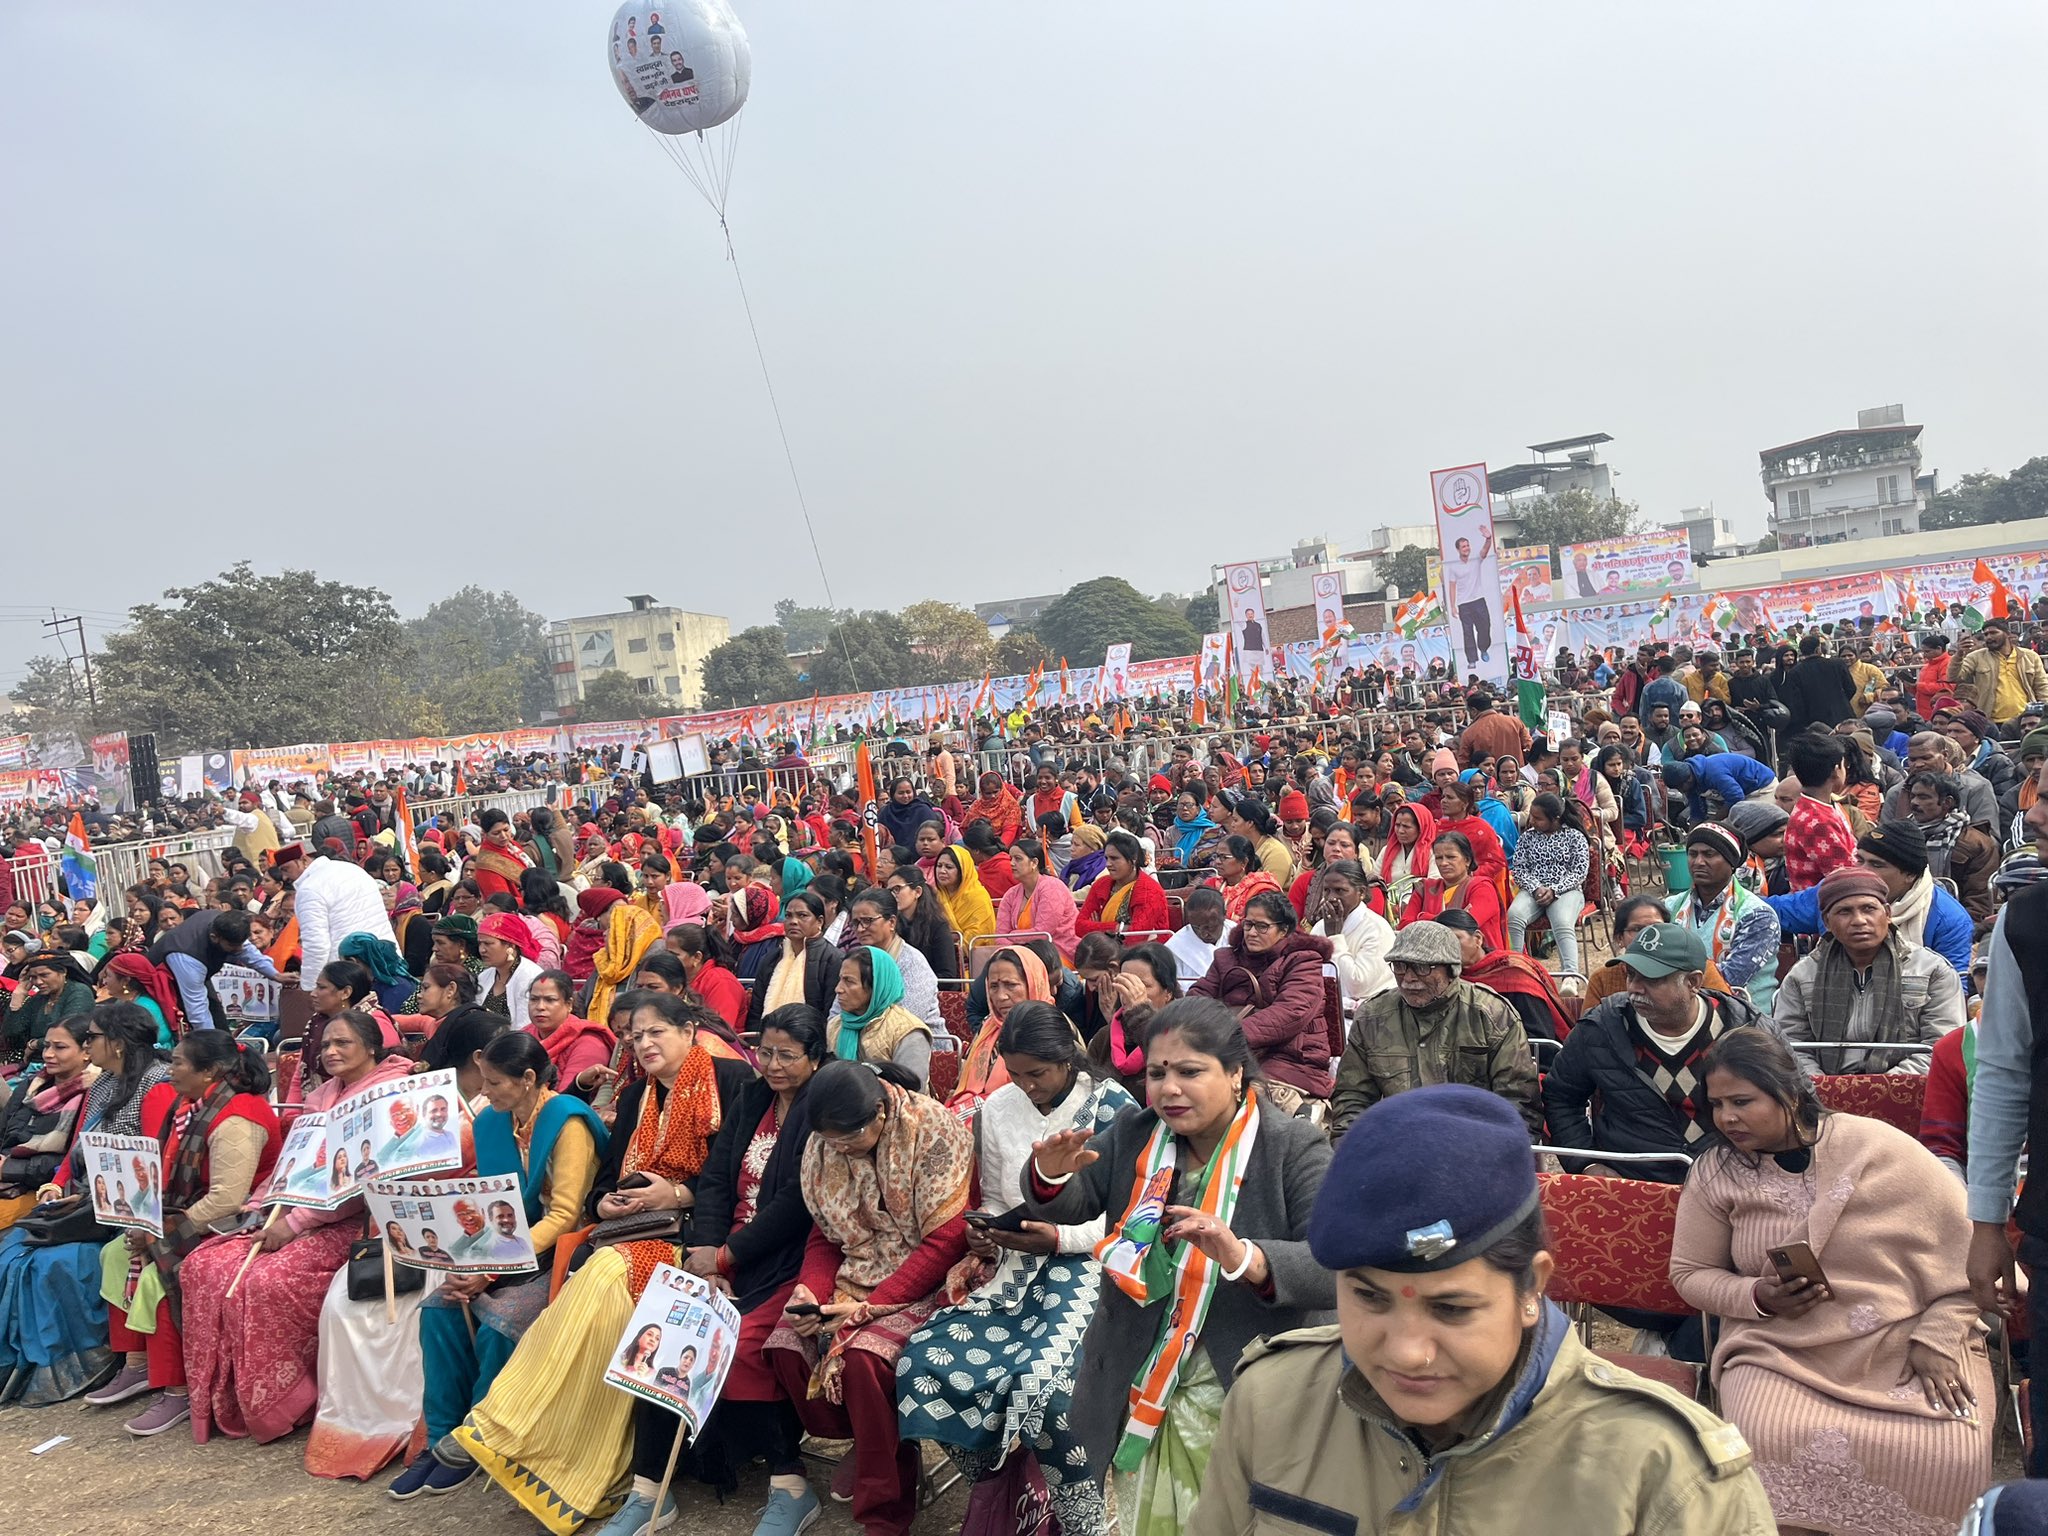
x,y
1643,562
1471,589
1838,599
678,1346
1328,591
246,996
389,1130
127,1180
459,1226
1246,616
1215,648
1524,567
1115,679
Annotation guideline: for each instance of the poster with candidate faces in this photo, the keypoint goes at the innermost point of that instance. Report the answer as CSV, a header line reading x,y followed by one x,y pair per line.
x,y
460,1226
391,1130
678,1346
127,1184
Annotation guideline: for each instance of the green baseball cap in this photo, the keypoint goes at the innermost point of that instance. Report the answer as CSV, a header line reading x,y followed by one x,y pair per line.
x,y
1664,949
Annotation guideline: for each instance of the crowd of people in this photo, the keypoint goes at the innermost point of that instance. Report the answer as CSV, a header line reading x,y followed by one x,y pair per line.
x,y
1104,1090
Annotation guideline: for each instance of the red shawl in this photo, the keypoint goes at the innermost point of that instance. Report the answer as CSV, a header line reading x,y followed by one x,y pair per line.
x,y
1511,974
565,1038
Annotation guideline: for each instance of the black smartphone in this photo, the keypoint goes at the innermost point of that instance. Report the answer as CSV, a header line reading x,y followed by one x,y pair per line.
x,y
804,1309
1011,1220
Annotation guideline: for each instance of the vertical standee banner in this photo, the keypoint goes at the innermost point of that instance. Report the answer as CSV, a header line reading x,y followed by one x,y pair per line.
x,y
1471,581
1116,672
1329,595
1247,619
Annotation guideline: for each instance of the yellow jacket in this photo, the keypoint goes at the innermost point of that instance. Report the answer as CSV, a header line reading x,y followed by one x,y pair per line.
x,y
1306,1447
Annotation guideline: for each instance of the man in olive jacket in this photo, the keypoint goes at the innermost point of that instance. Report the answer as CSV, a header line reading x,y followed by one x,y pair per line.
x,y
1433,1028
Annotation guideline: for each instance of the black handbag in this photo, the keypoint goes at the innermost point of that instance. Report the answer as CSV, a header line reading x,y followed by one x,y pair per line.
x,y
366,1272
51,1226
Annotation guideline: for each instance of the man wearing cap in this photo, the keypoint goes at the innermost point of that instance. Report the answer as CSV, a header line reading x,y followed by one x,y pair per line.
x,y
1736,927
1730,777
1998,678
1892,742
1433,1027
1450,1395
1761,826
255,832
332,898
1626,1078
1866,982
1922,910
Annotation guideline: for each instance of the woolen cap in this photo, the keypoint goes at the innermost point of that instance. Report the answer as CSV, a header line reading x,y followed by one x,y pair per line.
x,y
1753,819
1425,1180
1723,840
1294,806
1427,944
1900,844
1841,884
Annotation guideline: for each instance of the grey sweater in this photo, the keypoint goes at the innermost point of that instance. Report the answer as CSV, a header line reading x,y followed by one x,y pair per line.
x,y
1280,1182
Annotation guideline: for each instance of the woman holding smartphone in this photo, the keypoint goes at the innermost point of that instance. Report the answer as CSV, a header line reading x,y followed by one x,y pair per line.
x,y
1850,1354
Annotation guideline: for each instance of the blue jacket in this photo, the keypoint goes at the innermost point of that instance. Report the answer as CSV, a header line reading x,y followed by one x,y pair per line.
x,y
1948,930
1728,774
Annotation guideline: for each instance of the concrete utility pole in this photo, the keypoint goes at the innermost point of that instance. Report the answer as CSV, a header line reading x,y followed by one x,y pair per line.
x,y
76,625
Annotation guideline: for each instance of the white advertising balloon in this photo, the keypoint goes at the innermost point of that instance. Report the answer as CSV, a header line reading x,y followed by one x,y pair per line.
x,y
682,66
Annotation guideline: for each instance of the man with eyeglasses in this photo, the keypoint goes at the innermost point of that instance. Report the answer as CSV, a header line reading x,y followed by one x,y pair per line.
x,y
1433,1027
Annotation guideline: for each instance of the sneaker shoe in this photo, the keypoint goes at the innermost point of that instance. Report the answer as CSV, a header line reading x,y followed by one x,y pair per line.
x,y
412,1482
167,1412
132,1381
788,1515
843,1478
632,1518
442,1478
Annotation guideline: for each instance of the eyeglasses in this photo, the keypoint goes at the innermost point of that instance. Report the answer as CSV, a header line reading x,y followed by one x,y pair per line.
x,y
1411,968
779,1058
865,922
1253,925
91,1035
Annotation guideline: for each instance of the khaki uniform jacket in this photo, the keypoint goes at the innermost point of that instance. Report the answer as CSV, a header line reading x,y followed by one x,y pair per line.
x,y
1307,1449
1474,1036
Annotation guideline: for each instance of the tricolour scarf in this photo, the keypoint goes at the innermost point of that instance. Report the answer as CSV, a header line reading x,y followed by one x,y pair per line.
x,y
1146,1270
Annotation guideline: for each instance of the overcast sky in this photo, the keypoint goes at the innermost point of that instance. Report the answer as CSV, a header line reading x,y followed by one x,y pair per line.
x,y
403,294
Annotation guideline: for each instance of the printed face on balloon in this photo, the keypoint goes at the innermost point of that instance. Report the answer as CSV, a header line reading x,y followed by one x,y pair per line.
x,y
684,66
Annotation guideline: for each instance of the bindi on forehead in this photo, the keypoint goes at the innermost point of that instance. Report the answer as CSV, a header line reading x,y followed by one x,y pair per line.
x,y
1408,1291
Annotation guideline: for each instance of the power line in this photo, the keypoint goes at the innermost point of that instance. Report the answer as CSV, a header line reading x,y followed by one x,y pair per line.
x,y
76,625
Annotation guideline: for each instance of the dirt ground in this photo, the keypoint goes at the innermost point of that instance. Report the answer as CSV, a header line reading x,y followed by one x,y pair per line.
x,y
108,1483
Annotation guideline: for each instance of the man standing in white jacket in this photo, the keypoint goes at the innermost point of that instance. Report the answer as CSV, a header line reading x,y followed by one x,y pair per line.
x,y
333,899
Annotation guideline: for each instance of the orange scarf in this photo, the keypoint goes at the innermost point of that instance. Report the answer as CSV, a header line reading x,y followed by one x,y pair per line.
x,y
670,1143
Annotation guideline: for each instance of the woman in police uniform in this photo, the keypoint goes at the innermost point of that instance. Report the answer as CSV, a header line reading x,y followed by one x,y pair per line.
x,y
1451,1396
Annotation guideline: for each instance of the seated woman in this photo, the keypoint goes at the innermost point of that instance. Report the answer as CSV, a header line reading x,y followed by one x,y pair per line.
x,y
547,914
756,928
510,965
1866,1395
748,1230
454,943
40,1119
1237,868
394,983
1022,1297
629,933
470,1325
549,1431
886,1178
707,962
52,987
371,1373
1124,898
1460,803
1334,1425
1457,885
1408,858
991,856
1147,979
869,1022
342,986
1550,864
1338,844
128,977
1012,976
219,1140
587,935
1224,1245
805,969
873,918
1085,861
962,897
251,1357
1037,903
923,923
1271,972
573,1045
53,1323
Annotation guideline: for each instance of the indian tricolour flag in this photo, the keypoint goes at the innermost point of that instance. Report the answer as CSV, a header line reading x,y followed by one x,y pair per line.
x,y
1418,612
1530,697
81,875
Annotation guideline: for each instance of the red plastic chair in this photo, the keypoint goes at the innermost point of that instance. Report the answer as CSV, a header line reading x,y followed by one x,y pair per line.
x,y
1612,1242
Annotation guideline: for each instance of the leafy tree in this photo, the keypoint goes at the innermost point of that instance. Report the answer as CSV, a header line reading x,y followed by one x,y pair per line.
x,y
750,668
1202,614
868,651
1982,498
951,639
482,659
1097,614
1408,569
56,694
1018,652
806,628
247,660
613,695
1768,544
1573,517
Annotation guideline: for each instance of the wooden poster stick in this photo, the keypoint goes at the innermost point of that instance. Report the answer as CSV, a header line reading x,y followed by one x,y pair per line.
x,y
669,1472
254,1249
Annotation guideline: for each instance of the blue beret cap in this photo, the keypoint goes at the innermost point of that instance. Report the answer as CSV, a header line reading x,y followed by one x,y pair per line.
x,y
1425,1180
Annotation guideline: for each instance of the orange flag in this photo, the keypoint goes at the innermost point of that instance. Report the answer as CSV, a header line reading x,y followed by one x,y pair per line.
x,y
1999,595
870,817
